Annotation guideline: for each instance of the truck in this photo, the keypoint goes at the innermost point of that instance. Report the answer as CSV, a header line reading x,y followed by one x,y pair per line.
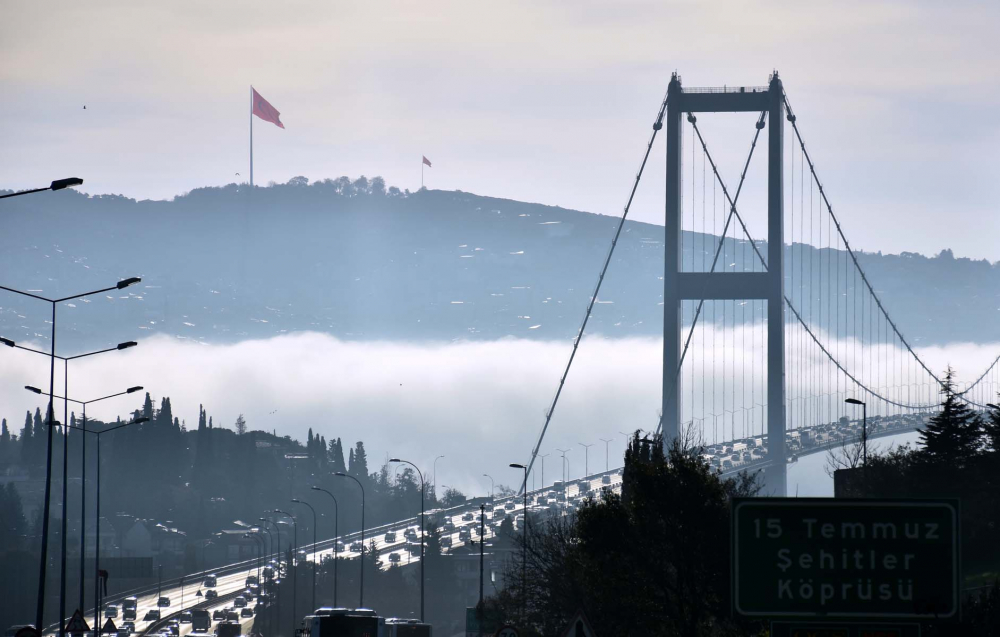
x,y
228,629
345,622
129,608
201,621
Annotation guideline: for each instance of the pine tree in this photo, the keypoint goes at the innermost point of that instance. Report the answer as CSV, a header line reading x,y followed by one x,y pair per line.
x,y
241,425
953,435
991,427
350,461
4,433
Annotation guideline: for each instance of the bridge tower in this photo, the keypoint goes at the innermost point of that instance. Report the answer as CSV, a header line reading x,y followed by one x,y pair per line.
x,y
679,285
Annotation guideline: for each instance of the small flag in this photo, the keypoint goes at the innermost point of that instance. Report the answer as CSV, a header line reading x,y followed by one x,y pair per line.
x,y
427,162
263,109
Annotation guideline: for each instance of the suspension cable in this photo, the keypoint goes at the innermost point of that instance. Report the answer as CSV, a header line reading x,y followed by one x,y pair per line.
x,y
735,211
657,125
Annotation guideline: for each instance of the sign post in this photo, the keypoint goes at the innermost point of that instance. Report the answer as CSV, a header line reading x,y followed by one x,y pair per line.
x,y
845,559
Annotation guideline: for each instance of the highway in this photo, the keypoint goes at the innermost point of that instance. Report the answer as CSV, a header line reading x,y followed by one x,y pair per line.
x,y
459,524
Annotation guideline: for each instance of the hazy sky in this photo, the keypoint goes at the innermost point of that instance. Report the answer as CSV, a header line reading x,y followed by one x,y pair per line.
x,y
539,101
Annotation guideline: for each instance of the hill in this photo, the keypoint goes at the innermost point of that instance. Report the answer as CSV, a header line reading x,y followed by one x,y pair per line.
x,y
361,261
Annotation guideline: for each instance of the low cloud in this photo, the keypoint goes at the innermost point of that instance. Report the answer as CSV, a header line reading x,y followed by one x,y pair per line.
x,y
480,404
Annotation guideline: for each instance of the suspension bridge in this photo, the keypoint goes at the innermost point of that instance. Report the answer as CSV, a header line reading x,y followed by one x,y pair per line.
x,y
766,330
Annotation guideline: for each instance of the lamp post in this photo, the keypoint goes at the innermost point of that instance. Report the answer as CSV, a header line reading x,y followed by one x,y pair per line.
x,y
58,184
492,485
294,569
543,457
275,611
435,479
361,597
297,501
97,535
83,451
586,457
50,416
336,540
864,428
565,465
605,441
524,548
423,487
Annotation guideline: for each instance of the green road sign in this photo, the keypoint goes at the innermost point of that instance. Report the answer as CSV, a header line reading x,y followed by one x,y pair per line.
x,y
840,558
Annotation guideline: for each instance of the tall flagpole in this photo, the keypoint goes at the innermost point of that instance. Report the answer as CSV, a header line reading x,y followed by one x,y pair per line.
x,y
251,135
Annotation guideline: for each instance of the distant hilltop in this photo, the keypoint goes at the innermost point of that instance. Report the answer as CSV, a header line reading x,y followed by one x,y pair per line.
x,y
363,261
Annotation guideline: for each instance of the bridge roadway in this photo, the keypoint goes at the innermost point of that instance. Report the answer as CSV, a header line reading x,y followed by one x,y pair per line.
x,y
231,578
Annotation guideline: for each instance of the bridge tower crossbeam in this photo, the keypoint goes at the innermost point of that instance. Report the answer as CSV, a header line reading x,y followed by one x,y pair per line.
x,y
679,285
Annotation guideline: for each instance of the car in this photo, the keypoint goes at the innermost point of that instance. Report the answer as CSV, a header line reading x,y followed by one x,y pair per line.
x,y
394,558
410,534
251,579
185,617
246,612
467,517
605,479
163,602
239,602
210,581
509,506
152,615
129,625
218,615
390,537
446,541
232,615
111,611
123,632
174,630
449,526
211,593
356,547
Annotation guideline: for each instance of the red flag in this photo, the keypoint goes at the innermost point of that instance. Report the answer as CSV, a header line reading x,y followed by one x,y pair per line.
x,y
427,162
263,109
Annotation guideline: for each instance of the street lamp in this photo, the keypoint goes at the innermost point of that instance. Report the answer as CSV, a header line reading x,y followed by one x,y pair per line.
x,y
492,484
43,561
58,184
361,597
297,501
586,457
435,479
565,465
294,567
543,457
422,528
336,540
605,441
83,465
524,549
97,535
864,427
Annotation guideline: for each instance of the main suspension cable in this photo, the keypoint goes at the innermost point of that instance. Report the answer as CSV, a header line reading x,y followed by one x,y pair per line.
x,y
657,125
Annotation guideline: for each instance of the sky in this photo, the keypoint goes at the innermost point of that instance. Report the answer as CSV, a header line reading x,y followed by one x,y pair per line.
x,y
540,101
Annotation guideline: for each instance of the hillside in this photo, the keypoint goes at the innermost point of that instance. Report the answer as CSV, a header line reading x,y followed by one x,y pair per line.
x,y
360,261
